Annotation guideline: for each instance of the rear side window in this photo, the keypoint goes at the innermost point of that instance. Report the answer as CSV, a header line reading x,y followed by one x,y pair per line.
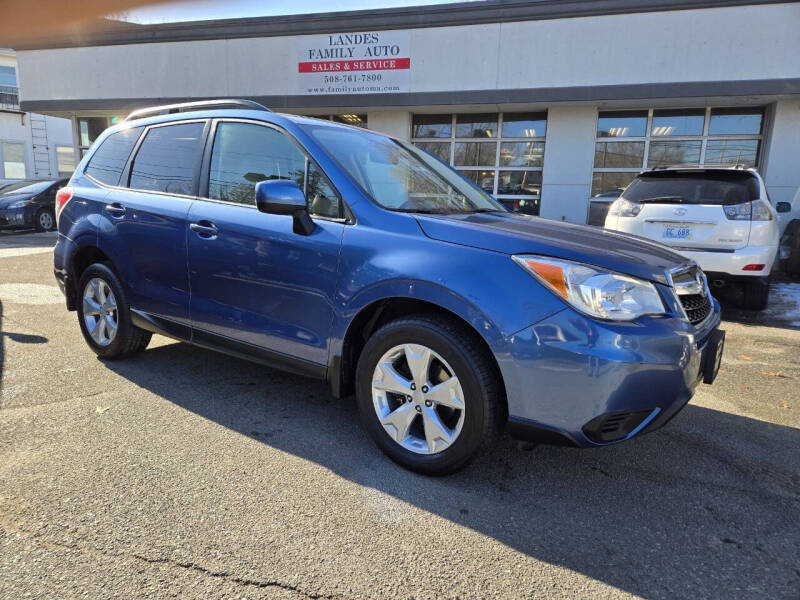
x,y
720,188
109,160
168,159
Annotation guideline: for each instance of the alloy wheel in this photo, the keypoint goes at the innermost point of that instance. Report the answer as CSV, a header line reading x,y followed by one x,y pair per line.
x,y
46,220
100,313
418,399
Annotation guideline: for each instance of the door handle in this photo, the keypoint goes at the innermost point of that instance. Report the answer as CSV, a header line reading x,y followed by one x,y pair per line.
x,y
115,210
204,229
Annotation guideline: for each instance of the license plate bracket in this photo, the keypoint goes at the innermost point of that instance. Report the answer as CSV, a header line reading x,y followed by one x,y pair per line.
x,y
712,355
676,232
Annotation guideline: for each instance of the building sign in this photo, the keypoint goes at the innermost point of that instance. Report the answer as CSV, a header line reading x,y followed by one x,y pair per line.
x,y
377,62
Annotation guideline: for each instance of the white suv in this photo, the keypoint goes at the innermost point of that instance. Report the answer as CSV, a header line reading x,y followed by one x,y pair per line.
x,y
721,217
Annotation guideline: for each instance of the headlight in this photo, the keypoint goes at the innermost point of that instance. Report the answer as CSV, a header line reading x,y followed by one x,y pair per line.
x,y
624,208
595,292
18,204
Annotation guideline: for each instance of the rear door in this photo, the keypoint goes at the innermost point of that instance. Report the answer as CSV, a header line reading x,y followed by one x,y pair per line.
x,y
254,281
147,222
705,210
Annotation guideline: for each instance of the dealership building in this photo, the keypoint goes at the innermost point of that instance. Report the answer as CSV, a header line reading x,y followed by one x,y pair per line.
x,y
542,103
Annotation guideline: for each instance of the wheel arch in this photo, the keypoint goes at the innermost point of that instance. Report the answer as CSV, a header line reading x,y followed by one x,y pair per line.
x,y
81,259
342,366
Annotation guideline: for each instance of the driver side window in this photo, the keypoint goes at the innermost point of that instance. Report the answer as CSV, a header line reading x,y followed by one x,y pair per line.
x,y
245,154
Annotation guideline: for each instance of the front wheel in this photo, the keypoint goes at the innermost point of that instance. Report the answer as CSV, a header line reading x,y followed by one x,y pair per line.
x,y
104,315
429,393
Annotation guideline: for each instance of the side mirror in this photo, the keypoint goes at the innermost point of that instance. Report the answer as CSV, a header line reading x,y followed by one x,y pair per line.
x,y
783,207
284,197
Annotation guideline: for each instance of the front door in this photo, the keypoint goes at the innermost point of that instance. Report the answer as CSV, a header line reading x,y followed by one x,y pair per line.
x,y
253,280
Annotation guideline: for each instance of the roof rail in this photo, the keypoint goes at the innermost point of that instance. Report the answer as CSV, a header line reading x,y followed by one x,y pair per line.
x,y
687,166
198,105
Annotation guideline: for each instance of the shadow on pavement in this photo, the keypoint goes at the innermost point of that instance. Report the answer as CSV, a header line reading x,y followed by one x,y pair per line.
x,y
28,238
701,508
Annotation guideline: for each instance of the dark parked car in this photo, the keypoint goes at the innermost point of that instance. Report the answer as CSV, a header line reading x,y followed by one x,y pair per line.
x,y
356,258
29,204
599,205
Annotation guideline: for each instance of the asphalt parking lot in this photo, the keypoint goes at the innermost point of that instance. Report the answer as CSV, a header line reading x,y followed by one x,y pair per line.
x,y
183,473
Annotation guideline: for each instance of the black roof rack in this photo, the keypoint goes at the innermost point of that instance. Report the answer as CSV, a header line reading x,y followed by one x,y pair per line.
x,y
167,109
688,166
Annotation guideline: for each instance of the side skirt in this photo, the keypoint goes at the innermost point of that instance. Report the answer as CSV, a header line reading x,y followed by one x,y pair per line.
x,y
226,345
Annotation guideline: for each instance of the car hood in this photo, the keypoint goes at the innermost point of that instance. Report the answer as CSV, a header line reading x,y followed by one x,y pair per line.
x,y
514,233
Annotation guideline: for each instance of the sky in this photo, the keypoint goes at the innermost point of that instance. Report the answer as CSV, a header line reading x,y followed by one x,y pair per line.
x,y
214,9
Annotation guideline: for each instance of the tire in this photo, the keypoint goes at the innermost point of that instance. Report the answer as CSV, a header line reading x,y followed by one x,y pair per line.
x,y
127,339
791,239
45,220
484,406
756,294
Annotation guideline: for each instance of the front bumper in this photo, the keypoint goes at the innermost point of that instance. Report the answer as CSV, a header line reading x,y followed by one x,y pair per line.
x,y
16,218
574,380
733,263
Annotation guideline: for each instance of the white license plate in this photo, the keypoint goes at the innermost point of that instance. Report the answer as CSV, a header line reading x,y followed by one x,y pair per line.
x,y
676,232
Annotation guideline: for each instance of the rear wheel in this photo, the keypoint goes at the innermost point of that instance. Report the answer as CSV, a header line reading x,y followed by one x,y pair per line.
x,y
104,315
428,394
756,294
791,247
45,220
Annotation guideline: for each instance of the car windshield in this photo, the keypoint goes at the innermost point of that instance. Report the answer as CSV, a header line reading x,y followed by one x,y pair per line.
x,y
25,187
400,177
716,188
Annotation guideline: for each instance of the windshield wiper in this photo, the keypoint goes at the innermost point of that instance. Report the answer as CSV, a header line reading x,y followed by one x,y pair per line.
x,y
424,211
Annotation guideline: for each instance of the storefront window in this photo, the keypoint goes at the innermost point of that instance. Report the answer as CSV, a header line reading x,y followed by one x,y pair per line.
x,y
440,150
476,126
732,152
510,167
521,154
622,123
664,154
428,126
483,179
475,154
661,138
677,122
526,125
13,156
735,121
90,128
618,155
65,158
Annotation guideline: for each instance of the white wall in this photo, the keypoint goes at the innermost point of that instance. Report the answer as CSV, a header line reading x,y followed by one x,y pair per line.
x,y
733,43
568,160
782,174
394,123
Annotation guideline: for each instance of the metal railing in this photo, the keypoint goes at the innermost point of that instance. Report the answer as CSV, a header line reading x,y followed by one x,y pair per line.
x,y
9,97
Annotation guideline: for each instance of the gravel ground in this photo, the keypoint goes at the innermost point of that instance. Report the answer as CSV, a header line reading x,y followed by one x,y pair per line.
x,y
183,473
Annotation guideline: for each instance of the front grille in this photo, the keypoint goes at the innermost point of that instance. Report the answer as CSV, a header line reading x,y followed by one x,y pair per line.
x,y
697,307
690,286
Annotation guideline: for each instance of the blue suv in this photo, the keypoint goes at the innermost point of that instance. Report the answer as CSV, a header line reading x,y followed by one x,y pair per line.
x,y
345,255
